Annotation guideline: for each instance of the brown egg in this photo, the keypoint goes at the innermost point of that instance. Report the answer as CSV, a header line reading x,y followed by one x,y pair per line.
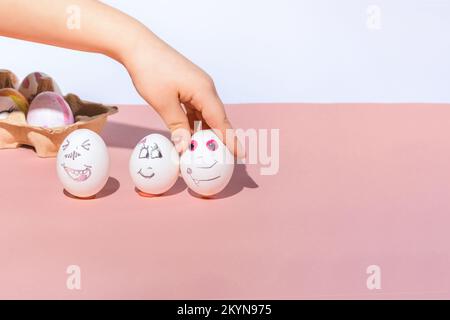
x,y
31,86
8,79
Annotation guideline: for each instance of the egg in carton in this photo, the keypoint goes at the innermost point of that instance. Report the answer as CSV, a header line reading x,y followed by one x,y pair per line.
x,y
18,128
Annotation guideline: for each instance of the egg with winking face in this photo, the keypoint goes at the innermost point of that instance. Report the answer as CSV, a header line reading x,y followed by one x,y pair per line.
x,y
207,166
83,163
154,165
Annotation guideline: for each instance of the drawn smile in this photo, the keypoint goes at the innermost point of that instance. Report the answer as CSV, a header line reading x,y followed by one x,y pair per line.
x,y
141,173
197,181
78,175
208,167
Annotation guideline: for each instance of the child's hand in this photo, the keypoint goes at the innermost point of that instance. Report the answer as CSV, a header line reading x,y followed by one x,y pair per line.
x,y
161,75
166,79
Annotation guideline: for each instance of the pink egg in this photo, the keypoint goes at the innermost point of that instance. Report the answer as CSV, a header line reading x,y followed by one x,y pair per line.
x,y
50,110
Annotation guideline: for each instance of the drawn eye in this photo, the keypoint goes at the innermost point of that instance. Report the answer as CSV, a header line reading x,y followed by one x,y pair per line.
x,y
193,145
86,145
212,145
156,153
144,153
66,145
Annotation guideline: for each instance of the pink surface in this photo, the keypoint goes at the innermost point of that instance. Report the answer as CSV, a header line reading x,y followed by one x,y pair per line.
x,y
359,185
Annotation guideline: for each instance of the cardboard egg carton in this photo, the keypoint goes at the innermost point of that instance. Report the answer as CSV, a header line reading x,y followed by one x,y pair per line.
x,y
15,131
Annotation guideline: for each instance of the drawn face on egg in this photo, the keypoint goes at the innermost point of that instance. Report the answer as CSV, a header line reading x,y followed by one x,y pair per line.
x,y
207,166
154,165
83,163
75,156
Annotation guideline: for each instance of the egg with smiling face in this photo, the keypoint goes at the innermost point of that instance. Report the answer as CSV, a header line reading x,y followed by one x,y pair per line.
x,y
207,165
83,163
154,165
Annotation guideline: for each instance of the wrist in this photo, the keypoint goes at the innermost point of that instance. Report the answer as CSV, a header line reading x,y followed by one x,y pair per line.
x,y
139,39
126,38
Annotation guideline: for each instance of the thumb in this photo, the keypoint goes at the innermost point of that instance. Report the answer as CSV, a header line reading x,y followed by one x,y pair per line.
x,y
213,111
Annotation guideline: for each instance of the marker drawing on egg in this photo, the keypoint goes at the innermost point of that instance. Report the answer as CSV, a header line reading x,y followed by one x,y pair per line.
x,y
83,163
146,153
78,175
207,165
141,173
154,165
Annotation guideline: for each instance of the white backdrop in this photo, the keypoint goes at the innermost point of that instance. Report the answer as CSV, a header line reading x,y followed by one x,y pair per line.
x,y
275,50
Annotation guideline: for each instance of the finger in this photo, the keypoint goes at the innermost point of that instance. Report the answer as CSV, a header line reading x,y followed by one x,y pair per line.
x,y
213,112
195,116
177,121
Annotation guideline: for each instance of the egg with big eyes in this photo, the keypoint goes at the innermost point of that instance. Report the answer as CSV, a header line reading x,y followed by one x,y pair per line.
x,y
11,100
207,165
50,110
30,85
154,165
83,163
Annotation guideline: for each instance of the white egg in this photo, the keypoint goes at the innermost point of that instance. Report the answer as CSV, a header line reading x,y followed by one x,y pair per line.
x,y
154,165
83,163
207,166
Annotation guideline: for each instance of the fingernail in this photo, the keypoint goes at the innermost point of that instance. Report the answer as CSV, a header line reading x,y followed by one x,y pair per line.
x,y
179,147
179,142
176,139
